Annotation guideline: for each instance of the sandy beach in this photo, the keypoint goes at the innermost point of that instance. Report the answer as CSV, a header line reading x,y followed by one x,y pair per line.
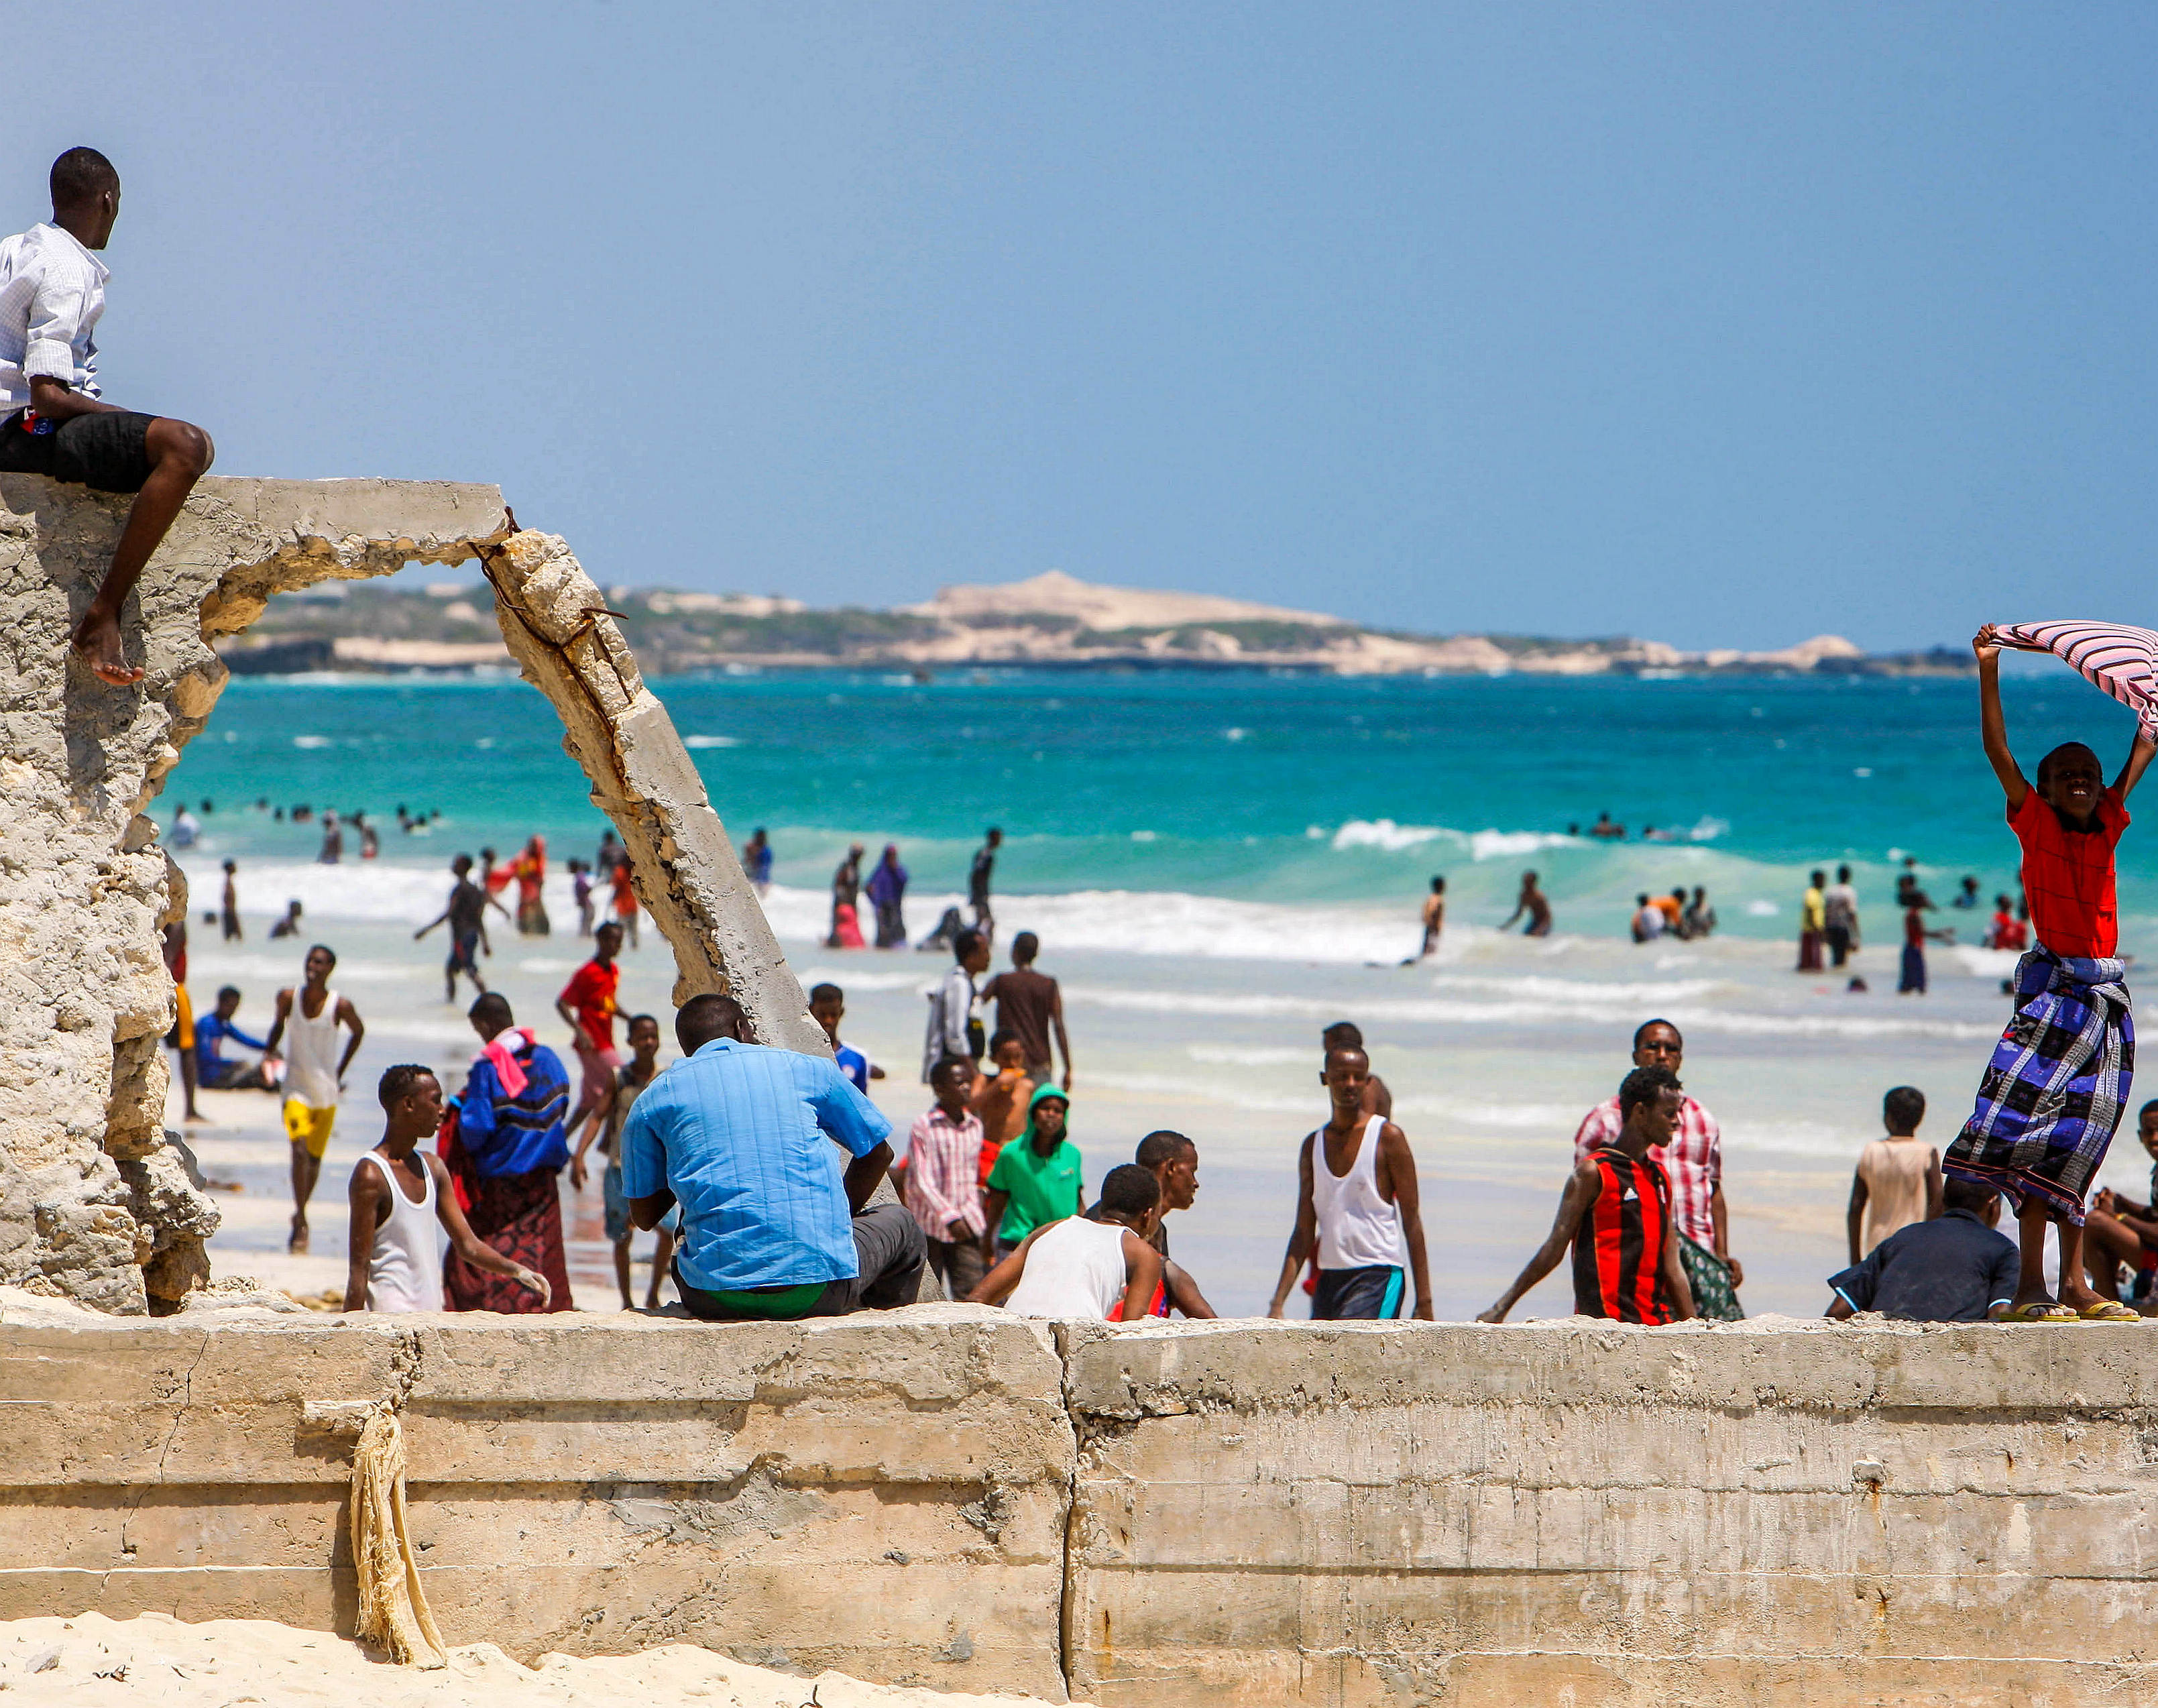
x,y
155,1659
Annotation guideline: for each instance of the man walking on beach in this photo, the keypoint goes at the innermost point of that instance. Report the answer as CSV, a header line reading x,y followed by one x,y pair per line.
x,y
953,1029
748,1139
1030,1006
314,1073
1616,1213
513,1145
466,917
977,882
1357,1196
57,423
1692,1162
588,1006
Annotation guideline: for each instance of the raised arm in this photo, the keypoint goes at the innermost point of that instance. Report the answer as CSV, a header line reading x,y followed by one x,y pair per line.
x,y
1302,1235
1993,727
1582,1191
2137,762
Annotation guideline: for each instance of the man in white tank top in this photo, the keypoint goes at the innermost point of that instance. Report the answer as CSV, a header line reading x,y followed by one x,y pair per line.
x,y
399,1195
1100,1267
1356,1195
308,1016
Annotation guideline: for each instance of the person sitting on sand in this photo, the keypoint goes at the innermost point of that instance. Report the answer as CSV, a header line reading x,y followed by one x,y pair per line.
x,y
1357,1204
1954,1268
1099,1267
1899,1178
52,294
314,1073
1173,1160
213,1073
718,1129
2119,1230
2052,1094
1616,1213
399,1195
1533,902
512,1148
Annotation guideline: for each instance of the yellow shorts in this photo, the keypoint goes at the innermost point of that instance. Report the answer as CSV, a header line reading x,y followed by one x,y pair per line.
x,y
309,1125
185,1025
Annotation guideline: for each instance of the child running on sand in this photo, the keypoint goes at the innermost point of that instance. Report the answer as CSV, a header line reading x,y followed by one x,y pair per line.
x,y
2059,1078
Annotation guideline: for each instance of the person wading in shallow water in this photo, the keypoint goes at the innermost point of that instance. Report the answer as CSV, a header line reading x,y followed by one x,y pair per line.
x,y
52,293
1536,904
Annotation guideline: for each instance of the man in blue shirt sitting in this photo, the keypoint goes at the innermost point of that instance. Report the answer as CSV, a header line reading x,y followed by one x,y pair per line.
x,y
773,1225
213,1073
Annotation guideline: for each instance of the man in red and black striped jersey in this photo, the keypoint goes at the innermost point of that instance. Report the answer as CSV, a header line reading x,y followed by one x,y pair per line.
x,y
1616,1213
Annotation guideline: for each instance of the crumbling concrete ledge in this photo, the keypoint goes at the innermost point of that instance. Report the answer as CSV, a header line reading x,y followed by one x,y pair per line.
x,y
97,1201
1203,1515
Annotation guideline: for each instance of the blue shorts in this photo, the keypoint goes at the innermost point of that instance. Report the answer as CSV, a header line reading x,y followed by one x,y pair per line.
x,y
619,1226
464,953
1347,1295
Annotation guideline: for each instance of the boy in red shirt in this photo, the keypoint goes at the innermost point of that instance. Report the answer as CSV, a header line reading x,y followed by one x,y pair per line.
x,y
587,1004
2053,1093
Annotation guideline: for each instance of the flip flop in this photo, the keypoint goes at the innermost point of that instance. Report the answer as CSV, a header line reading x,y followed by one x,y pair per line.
x,y
2040,1311
2109,1311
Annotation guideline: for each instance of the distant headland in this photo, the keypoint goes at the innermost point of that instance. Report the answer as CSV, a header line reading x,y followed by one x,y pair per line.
x,y
1049,622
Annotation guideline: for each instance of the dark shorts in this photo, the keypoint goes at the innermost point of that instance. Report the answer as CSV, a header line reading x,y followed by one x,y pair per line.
x,y
1347,1294
464,950
106,450
229,1074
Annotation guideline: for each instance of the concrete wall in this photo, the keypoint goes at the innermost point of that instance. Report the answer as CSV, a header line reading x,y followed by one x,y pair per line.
x,y
1205,1515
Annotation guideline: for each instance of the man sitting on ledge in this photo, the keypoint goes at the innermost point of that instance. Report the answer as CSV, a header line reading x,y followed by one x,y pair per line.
x,y
772,1226
52,292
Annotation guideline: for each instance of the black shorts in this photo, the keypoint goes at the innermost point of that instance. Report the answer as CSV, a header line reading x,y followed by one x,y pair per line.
x,y
106,452
1346,1295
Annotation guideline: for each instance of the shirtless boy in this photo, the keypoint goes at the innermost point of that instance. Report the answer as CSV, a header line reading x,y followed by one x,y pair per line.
x,y
56,421
467,918
2059,1078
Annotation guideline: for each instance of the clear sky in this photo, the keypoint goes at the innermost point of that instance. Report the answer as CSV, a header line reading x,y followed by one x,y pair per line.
x,y
1721,324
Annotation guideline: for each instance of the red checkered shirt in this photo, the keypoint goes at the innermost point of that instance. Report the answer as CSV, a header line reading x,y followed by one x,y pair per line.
x,y
2068,876
941,1157
1693,1160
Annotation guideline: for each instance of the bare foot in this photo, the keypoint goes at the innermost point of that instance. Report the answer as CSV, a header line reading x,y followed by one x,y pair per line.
x,y
196,1120
98,641
298,1242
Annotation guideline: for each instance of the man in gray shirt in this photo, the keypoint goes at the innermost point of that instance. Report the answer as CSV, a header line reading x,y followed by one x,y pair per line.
x,y
953,1029
1839,917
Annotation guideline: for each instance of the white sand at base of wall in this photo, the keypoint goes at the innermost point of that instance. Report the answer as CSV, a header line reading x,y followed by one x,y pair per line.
x,y
153,1659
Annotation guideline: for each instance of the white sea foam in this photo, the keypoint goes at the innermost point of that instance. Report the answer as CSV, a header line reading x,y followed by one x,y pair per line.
x,y
711,741
1388,837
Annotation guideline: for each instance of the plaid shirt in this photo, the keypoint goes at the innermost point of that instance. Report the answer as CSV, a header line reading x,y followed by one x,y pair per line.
x,y
941,1159
1693,1161
52,292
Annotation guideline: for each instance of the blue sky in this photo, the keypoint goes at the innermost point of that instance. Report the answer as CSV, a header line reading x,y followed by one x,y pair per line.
x,y
1719,324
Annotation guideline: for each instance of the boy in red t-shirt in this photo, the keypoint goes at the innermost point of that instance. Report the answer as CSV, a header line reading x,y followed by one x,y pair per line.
x,y
587,1004
2053,1092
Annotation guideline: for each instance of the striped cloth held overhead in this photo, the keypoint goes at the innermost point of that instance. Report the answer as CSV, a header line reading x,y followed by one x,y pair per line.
x,y
2121,660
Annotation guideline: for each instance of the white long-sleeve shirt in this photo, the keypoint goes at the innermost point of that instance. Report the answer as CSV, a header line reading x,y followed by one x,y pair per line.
x,y
52,292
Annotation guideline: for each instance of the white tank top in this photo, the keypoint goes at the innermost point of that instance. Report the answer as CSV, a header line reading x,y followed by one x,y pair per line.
x,y
405,1273
1357,1228
1077,1269
311,1052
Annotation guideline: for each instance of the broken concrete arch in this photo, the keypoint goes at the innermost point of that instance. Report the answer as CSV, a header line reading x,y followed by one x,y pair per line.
x,y
97,1201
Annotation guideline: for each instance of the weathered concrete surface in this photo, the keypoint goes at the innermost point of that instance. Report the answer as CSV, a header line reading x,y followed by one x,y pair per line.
x,y
89,1192
95,1203
556,623
885,1495
1387,1514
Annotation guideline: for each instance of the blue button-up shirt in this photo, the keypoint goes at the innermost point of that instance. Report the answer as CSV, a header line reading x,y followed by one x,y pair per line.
x,y
742,1136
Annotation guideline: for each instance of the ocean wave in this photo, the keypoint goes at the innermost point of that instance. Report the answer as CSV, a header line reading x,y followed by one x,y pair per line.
x,y
1388,837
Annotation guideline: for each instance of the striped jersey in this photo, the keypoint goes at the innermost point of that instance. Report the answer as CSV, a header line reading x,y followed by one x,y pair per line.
x,y
1618,1249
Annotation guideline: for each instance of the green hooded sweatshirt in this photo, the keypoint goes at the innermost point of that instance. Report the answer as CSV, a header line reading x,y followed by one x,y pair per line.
x,y
1042,1189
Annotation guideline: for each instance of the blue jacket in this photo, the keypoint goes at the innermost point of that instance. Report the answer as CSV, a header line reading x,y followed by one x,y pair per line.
x,y
507,1135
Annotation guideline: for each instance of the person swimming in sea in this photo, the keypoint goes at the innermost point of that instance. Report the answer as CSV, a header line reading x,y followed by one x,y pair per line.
x,y
1533,902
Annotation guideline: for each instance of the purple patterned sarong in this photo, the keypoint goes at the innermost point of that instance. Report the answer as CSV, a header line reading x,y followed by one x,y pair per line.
x,y
2053,1093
